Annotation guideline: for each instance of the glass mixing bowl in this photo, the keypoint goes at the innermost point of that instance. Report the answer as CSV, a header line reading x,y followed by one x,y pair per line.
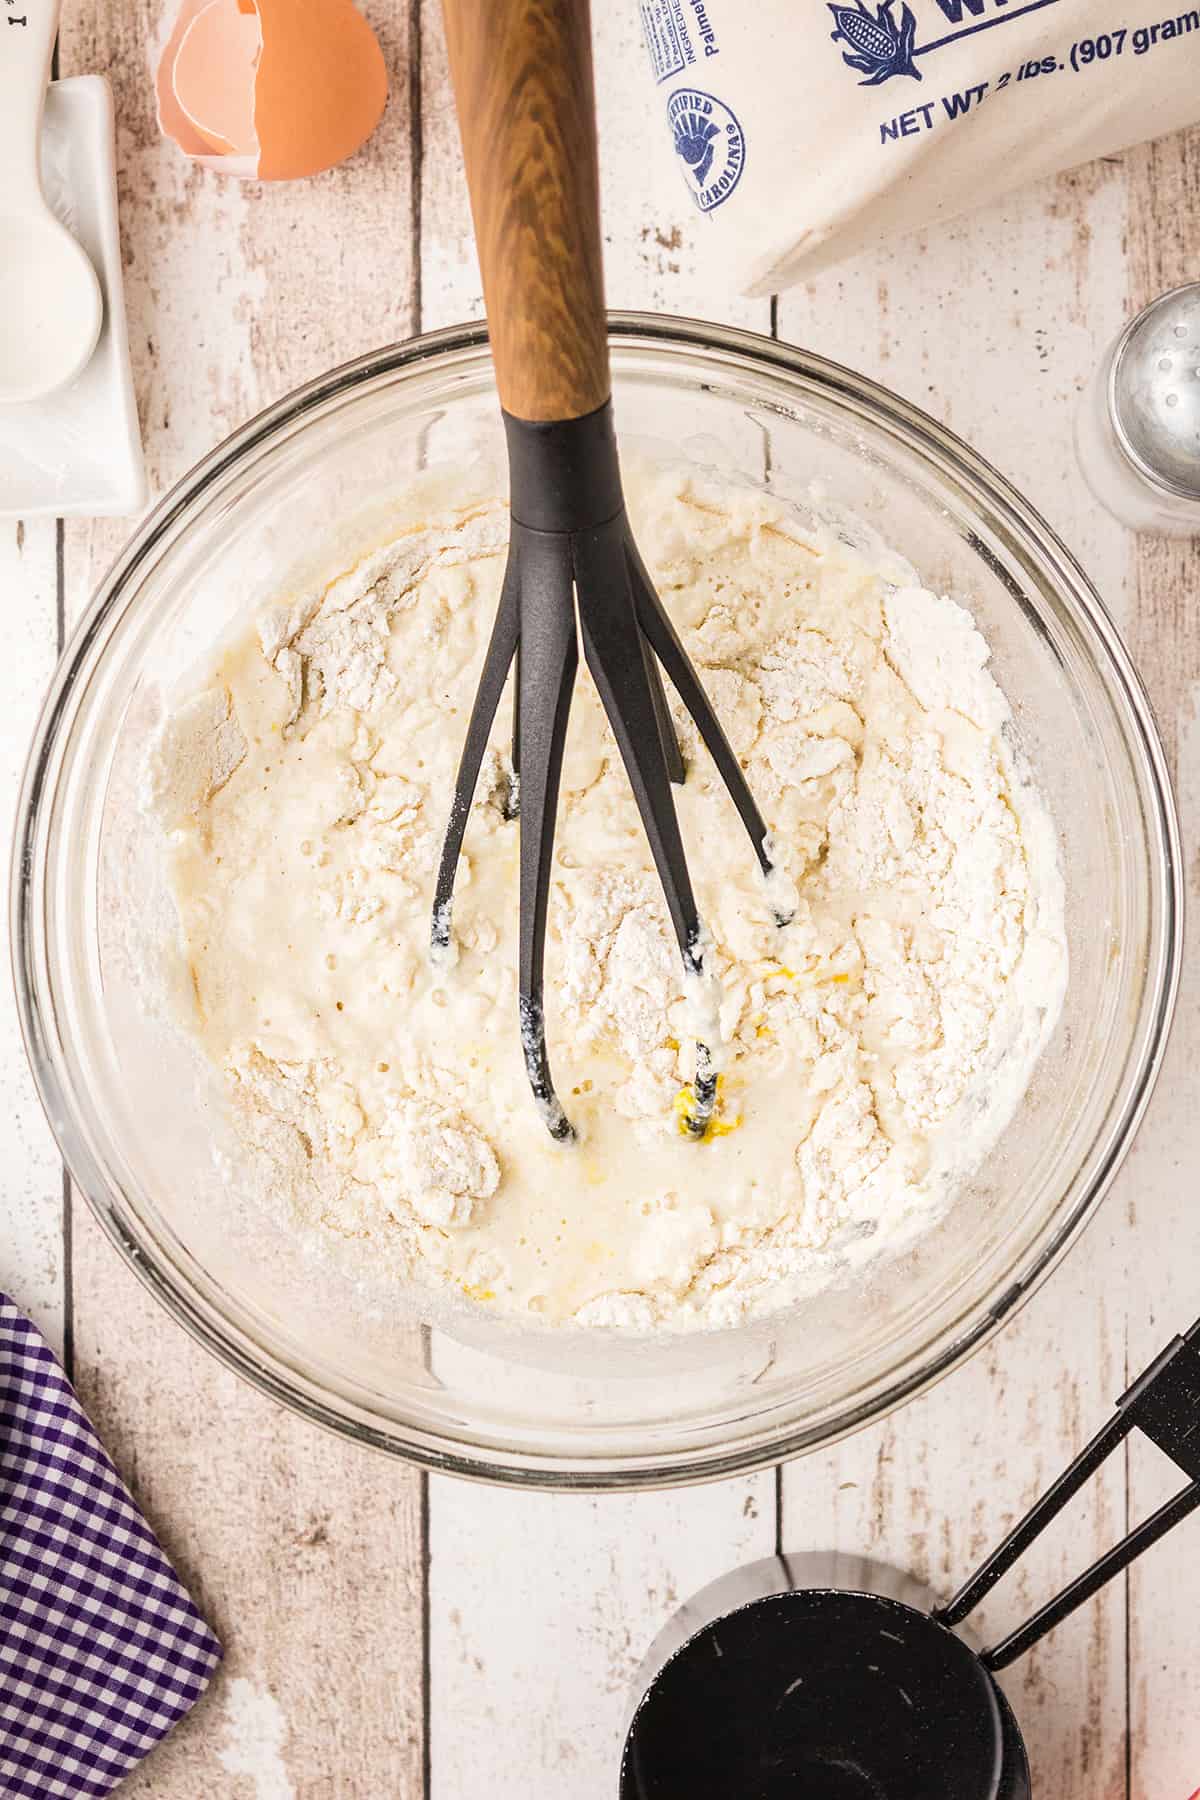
x,y
471,1393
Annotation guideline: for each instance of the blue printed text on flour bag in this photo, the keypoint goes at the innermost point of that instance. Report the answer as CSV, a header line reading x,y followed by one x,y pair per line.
x,y
677,34
1084,58
709,143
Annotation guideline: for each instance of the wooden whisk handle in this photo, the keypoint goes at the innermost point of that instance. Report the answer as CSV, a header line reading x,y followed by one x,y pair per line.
x,y
522,72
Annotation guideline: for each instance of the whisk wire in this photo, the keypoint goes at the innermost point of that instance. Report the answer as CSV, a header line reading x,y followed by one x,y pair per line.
x,y
498,659
666,646
676,771
549,658
616,656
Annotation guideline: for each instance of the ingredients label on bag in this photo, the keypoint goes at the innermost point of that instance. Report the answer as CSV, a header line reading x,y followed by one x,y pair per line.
x,y
679,35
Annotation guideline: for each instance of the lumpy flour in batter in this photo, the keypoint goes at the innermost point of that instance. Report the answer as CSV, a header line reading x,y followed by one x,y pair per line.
x,y
874,1048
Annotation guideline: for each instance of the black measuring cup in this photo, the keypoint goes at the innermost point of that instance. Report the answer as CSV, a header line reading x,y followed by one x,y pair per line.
x,y
829,1678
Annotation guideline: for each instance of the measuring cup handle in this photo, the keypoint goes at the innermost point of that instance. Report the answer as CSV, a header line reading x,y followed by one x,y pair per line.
x,y
28,29
1164,1405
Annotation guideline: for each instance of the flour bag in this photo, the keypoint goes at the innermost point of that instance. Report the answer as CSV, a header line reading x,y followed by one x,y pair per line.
x,y
806,131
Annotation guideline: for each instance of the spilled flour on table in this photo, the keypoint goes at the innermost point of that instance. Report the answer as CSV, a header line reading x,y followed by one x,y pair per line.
x,y
872,1050
256,1732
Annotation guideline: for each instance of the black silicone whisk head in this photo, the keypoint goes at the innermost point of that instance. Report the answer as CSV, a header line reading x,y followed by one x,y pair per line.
x,y
523,81
574,576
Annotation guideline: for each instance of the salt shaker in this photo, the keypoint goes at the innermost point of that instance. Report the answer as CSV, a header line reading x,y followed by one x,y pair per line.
x,y
1137,433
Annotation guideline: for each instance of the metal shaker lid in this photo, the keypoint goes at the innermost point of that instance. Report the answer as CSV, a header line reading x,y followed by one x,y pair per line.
x,y
1154,392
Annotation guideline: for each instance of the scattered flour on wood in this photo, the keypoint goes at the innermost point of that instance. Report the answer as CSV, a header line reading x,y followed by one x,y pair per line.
x,y
256,1733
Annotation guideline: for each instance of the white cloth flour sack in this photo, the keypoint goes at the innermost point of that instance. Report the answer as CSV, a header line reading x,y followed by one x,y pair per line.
x,y
805,130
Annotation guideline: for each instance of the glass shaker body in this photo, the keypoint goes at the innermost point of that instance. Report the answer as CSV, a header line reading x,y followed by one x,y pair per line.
x,y
1137,432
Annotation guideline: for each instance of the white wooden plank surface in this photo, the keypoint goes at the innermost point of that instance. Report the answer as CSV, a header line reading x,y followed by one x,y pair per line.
x,y
542,1607
539,1607
279,1530
1161,1186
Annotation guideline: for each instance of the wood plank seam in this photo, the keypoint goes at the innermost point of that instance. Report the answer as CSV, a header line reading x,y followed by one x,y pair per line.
x,y
773,316
416,140
416,137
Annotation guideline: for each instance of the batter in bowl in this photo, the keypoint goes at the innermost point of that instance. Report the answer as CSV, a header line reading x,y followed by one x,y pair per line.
x,y
873,1049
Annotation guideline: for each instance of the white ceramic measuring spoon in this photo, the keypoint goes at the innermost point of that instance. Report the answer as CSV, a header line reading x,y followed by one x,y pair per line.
x,y
50,305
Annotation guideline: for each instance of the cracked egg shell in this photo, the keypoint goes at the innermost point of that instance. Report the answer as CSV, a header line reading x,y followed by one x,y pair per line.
x,y
270,88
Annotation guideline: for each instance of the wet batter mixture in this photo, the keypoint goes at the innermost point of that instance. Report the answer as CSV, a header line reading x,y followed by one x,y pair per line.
x,y
873,1049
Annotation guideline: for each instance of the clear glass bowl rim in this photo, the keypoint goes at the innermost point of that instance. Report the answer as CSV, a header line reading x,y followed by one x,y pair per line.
x,y
235,1349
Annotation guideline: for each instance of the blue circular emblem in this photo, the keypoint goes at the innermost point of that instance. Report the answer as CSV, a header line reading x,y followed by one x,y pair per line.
x,y
709,143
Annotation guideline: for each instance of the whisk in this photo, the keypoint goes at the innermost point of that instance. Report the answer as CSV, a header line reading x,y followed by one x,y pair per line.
x,y
522,72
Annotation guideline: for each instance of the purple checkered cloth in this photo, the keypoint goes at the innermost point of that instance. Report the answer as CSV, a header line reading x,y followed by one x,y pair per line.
x,y
101,1650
